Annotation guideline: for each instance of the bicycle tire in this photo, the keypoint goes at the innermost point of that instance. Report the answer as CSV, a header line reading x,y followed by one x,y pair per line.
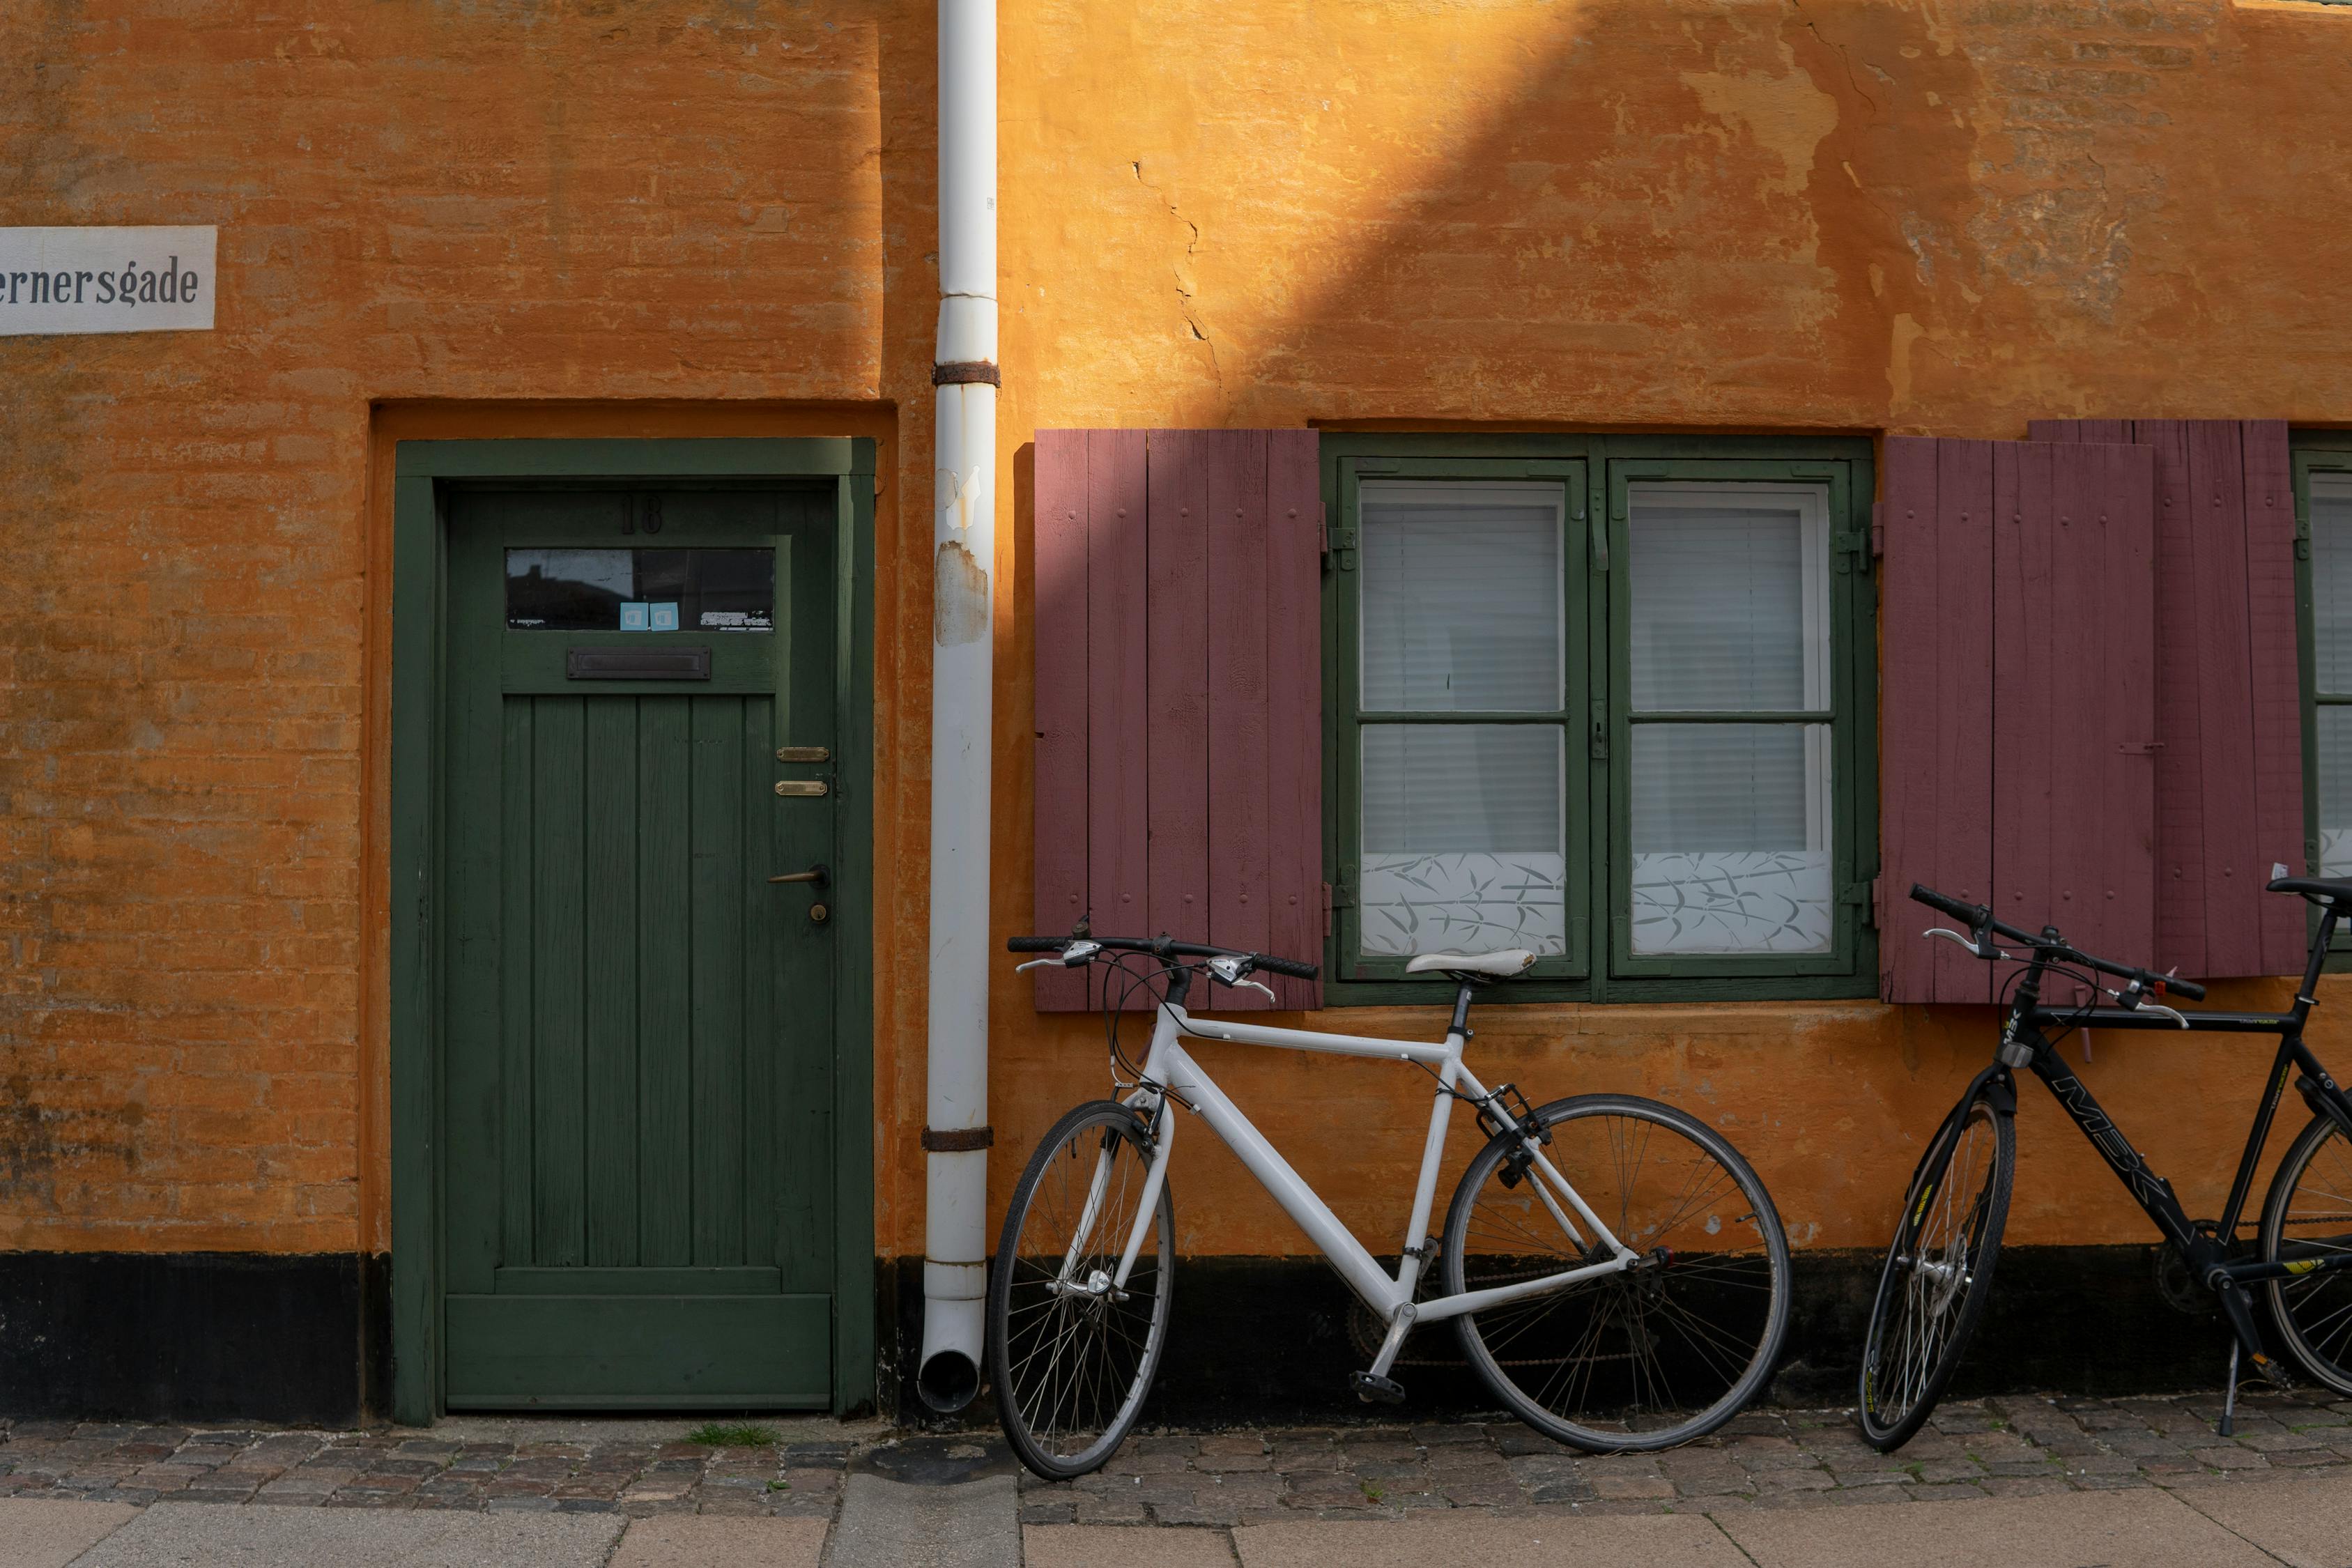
x,y
1028,1301
1620,1395
2313,1313
1950,1292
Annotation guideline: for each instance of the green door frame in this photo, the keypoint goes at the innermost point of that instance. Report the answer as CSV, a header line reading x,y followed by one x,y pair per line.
x,y
421,469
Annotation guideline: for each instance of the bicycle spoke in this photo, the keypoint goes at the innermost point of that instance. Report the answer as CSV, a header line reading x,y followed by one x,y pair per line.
x,y
1644,1353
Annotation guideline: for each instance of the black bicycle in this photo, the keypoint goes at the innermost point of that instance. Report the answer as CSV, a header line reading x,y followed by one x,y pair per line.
x,y
1939,1268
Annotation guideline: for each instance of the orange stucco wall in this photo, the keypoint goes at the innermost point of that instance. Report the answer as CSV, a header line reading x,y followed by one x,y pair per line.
x,y
651,216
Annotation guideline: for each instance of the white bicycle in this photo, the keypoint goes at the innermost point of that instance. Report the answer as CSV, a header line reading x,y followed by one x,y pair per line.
x,y
1636,1306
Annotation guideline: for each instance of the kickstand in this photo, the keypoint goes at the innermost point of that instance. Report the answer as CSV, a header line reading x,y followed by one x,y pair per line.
x,y
2229,1428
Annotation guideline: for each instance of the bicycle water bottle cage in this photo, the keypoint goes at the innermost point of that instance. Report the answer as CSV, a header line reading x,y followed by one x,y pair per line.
x,y
1513,1104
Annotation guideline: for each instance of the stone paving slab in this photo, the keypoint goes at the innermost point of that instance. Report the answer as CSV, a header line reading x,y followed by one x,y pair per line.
x,y
1124,1546
52,1533
702,1541
2306,1521
2146,1529
1683,1540
901,1524
172,1535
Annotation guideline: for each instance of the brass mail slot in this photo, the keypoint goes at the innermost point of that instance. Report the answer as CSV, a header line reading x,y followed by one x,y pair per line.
x,y
800,786
637,664
803,754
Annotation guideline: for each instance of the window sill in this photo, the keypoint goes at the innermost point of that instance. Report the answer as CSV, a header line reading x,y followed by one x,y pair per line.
x,y
1741,988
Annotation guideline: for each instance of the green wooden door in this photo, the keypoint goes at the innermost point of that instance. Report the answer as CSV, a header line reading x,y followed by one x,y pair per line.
x,y
638,1080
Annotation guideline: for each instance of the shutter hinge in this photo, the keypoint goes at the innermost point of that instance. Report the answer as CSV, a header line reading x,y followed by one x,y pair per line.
x,y
1877,529
1854,543
1864,895
1335,897
1323,528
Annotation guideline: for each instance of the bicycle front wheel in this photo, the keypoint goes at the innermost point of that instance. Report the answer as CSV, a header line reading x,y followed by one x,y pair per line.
x,y
1647,1357
1939,1272
2306,1218
1073,1349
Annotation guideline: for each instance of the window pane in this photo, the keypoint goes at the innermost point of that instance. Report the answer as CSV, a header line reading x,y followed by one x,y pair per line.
x,y
1461,597
1462,847
1729,585
601,590
2331,584
2334,747
1731,839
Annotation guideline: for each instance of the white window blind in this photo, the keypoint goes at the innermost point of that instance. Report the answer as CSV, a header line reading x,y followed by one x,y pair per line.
x,y
2331,628
1729,821
1463,838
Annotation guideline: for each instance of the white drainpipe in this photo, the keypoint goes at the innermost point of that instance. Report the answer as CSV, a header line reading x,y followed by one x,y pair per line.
x,y
963,538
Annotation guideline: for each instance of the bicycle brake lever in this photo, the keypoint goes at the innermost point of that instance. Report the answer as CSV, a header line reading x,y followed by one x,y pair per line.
x,y
1955,936
1035,964
1255,985
2159,1008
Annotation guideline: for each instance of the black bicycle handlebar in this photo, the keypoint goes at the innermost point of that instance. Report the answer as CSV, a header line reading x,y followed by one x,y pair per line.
x,y
1977,918
1160,947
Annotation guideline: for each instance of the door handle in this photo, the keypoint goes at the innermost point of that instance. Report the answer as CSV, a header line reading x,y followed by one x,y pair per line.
x,y
818,873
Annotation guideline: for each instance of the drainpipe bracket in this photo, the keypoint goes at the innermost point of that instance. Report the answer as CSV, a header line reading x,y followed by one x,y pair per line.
x,y
958,1141
967,373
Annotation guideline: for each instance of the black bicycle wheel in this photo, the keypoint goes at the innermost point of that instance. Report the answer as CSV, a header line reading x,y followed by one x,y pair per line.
x,y
2308,1217
1939,1272
1654,1355
1072,1352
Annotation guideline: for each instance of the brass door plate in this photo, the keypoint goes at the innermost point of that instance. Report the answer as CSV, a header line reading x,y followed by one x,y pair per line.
x,y
801,787
803,754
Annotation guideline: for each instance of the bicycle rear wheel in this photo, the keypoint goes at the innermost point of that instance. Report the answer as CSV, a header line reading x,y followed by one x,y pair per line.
x,y
1649,1357
2308,1216
1073,1353
1938,1271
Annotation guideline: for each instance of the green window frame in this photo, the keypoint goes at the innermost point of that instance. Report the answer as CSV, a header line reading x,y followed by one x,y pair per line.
x,y
2323,458
1596,717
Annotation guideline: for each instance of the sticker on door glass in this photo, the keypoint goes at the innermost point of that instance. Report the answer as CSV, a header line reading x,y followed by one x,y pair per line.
x,y
561,590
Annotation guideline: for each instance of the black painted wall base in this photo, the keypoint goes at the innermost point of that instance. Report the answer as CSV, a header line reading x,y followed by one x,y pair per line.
x,y
307,1339
1270,1339
292,1341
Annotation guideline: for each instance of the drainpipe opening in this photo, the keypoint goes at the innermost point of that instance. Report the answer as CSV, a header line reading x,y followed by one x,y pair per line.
x,y
947,1382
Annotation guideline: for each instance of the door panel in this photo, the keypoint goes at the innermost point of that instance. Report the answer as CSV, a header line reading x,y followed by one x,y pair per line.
x,y
632,1215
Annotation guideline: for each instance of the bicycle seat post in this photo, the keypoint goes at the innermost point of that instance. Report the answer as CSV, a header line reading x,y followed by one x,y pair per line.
x,y
1461,1023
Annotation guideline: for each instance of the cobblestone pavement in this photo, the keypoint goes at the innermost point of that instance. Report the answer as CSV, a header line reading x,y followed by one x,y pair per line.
x,y
1766,1458
415,1469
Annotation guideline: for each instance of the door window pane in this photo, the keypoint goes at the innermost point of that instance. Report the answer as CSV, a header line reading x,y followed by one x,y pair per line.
x,y
1461,596
564,590
1731,839
1728,584
1464,848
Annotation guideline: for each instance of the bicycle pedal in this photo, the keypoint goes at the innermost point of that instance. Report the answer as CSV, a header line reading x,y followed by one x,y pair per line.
x,y
2273,1373
1374,1390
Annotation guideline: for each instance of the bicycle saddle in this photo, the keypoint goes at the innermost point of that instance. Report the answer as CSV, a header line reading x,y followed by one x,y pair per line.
x,y
2333,895
1496,966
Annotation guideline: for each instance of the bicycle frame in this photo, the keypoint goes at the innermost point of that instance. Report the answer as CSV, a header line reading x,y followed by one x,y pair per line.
x,y
2025,1042
1171,1072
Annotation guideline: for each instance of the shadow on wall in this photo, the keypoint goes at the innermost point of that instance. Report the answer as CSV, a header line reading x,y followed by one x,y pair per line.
x,y
1851,215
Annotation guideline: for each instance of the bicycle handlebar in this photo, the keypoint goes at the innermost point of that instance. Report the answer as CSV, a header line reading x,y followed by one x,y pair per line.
x,y
1977,918
1161,947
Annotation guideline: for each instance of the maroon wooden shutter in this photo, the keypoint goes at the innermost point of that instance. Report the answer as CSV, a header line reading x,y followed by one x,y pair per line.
x,y
2018,700
2229,713
1179,659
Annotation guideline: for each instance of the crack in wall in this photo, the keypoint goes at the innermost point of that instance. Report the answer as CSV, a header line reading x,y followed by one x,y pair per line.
x,y
1185,300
